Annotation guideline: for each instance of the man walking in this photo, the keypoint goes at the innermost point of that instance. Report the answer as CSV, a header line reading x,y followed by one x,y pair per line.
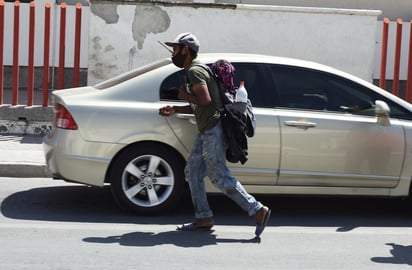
x,y
207,157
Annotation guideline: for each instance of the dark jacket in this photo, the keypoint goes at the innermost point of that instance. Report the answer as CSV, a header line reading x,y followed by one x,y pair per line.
x,y
234,122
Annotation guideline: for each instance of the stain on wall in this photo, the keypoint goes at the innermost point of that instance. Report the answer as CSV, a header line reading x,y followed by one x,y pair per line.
x,y
132,54
148,19
107,12
103,65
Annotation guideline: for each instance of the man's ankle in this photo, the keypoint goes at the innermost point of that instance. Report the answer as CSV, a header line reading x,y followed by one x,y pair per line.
x,y
260,215
205,222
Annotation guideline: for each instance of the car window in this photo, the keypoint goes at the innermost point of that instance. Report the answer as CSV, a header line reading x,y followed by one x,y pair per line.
x,y
259,92
300,88
251,73
170,86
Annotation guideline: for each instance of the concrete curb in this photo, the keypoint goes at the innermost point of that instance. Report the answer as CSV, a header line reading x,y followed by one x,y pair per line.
x,y
24,170
34,120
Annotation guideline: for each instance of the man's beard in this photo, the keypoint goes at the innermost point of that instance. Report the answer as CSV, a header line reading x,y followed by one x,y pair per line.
x,y
179,59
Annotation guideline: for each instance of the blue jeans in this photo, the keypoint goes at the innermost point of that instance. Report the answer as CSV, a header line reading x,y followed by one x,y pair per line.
x,y
208,158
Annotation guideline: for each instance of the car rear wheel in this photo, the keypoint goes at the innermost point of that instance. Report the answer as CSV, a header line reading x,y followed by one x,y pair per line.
x,y
147,179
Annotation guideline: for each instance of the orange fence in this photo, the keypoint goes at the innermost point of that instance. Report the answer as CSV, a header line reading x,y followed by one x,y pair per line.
x,y
384,52
1,50
409,76
46,53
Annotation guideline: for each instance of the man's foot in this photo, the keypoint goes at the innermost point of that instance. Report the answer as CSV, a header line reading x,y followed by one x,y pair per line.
x,y
205,222
201,224
262,218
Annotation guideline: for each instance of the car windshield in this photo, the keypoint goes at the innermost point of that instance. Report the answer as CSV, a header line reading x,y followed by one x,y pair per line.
x,y
131,74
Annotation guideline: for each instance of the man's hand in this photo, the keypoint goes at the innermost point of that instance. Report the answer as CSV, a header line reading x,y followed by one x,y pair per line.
x,y
167,110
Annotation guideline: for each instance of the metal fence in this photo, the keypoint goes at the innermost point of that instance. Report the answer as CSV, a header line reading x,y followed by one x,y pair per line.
x,y
31,51
384,53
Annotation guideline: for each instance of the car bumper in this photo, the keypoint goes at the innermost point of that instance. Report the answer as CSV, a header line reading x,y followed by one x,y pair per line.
x,y
71,158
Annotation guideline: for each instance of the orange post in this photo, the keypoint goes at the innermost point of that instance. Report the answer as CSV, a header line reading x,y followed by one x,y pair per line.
x,y
62,46
46,55
15,69
384,53
409,78
395,89
77,44
30,69
1,50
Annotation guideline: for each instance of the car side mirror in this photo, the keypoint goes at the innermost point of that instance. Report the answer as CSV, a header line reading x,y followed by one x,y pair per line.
x,y
382,112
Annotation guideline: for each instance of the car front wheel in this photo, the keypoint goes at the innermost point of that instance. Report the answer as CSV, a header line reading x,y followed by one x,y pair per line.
x,y
147,179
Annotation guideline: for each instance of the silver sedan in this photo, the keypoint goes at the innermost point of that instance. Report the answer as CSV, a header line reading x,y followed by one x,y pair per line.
x,y
319,131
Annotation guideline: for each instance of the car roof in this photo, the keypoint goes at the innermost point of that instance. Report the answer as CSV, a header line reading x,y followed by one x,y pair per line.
x,y
268,59
260,58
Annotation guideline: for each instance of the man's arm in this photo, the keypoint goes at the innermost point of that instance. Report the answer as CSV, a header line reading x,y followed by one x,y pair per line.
x,y
200,97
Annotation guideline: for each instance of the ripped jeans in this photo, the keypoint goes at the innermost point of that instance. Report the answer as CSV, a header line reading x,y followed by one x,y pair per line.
x,y
208,158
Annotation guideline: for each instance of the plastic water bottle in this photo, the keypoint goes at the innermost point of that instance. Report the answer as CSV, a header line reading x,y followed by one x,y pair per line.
x,y
241,93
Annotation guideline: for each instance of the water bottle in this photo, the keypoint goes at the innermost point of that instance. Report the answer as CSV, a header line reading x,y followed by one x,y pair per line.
x,y
241,93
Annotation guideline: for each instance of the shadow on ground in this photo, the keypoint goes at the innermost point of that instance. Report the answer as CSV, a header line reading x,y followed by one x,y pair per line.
x,y
177,238
399,255
78,203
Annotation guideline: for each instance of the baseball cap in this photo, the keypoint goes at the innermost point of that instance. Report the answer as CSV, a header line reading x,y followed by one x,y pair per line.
x,y
185,39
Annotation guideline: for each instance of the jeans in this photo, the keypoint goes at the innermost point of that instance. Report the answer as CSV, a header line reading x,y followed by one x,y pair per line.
x,y
208,158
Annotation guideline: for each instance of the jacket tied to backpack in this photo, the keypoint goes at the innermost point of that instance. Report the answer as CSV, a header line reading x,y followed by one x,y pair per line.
x,y
238,120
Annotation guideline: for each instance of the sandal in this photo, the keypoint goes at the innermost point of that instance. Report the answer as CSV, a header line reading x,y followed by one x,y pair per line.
x,y
191,227
260,227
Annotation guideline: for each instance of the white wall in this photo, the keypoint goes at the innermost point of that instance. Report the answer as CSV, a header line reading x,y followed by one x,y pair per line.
x,y
393,9
125,36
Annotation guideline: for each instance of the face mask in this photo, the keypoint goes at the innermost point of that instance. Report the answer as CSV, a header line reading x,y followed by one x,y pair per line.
x,y
179,59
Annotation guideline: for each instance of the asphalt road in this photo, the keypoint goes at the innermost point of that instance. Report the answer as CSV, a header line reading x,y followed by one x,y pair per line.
x,y
48,224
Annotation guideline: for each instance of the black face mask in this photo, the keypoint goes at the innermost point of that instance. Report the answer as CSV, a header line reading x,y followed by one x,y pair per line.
x,y
179,59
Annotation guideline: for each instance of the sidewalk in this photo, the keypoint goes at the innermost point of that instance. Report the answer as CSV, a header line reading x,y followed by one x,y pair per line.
x,y
22,156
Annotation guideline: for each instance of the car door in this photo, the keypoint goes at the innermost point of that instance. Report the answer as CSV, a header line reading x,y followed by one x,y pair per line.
x,y
330,135
263,149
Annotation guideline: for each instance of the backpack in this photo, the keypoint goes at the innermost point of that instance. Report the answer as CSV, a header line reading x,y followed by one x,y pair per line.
x,y
238,120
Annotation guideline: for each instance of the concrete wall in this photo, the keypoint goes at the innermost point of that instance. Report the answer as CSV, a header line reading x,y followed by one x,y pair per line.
x,y
125,35
393,9
390,9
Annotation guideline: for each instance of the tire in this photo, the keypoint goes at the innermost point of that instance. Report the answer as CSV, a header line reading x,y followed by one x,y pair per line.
x,y
143,190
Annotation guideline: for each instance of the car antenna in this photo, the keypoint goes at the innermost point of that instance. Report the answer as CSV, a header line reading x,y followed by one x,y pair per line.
x,y
161,43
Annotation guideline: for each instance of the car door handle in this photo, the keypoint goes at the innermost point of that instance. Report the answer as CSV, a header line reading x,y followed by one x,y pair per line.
x,y
186,116
300,124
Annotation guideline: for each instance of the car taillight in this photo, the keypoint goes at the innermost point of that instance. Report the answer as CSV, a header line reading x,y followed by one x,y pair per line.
x,y
63,119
